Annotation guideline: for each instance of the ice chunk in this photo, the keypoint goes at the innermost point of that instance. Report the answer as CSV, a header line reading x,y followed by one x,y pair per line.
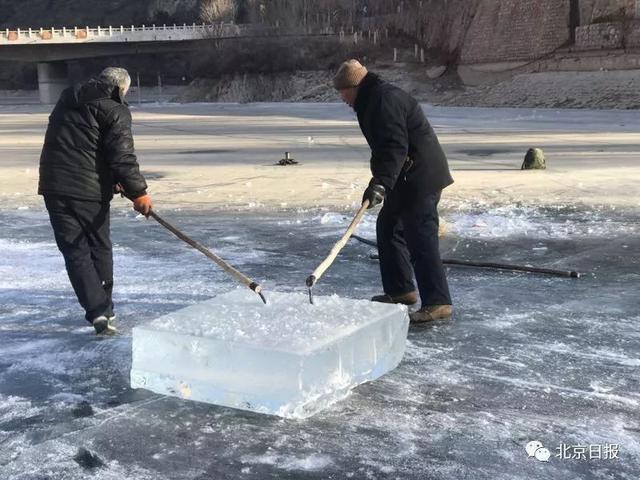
x,y
287,358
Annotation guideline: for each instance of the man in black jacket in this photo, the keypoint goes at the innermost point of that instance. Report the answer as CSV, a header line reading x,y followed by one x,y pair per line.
x,y
88,155
410,170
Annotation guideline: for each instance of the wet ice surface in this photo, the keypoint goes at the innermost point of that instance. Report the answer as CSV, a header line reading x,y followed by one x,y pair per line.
x,y
526,358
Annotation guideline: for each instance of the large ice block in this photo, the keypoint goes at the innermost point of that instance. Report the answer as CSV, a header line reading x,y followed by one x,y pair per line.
x,y
287,358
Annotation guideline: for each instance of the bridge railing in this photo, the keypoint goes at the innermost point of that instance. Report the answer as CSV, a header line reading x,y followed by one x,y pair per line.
x,y
88,34
165,33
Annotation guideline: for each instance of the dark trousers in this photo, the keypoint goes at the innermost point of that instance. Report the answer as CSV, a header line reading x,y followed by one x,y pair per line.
x,y
81,229
407,231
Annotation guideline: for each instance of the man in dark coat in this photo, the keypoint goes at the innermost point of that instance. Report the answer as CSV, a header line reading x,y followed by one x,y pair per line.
x,y
88,155
409,170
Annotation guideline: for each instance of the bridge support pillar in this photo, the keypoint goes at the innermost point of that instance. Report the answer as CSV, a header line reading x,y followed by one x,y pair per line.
x,y
53,78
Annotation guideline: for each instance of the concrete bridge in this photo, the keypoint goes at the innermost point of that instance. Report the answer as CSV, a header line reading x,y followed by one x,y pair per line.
x,y
50,48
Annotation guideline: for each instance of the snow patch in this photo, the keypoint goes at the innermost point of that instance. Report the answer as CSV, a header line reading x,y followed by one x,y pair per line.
x,y
288,462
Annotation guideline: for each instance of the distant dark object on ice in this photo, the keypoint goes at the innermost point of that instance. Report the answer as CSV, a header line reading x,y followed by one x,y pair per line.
x,y
83,409
287,160
88,460
534,160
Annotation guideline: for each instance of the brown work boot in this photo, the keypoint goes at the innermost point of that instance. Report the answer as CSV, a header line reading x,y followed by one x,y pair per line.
x,y
409,298
431,313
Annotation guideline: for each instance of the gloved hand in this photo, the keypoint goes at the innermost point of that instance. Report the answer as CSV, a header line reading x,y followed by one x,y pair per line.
x,y
374,193
118,189
143,204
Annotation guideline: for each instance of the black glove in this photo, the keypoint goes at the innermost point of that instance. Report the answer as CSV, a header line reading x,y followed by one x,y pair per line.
x,y
374,193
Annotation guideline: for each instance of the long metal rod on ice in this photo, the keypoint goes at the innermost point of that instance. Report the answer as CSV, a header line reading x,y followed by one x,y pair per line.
x,y
497,266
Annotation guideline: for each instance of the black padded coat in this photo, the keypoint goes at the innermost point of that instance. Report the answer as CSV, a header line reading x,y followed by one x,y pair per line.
x,y
401,139
88,146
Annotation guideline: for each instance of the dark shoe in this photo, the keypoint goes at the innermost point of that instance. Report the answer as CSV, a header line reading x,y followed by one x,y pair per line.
x,y
431,313
102,326
410,298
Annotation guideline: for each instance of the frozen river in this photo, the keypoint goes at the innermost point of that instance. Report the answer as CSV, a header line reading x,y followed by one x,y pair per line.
x,y
527,357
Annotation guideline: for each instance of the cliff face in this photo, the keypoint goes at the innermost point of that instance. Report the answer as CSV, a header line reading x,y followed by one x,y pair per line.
x,y
485,31
471,30
513,30
594,11
459,31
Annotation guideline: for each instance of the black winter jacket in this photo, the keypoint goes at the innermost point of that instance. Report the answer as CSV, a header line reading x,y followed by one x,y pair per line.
x,y
88,146
396,129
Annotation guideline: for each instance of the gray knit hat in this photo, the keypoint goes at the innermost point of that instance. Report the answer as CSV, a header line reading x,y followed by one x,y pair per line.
x,y
349,75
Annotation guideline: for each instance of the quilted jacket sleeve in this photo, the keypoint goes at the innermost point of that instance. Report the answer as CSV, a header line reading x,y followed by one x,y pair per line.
x,y
119,152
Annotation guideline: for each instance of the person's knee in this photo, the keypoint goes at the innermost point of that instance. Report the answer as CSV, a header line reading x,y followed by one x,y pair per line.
x,y
66,241
102,252
74,255
386,230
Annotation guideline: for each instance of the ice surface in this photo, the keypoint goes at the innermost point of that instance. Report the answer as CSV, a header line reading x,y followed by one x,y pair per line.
x,y
527,358
287,358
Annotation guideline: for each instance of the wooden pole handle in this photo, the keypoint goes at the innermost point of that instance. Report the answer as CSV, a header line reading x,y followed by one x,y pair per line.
x,y
318,272
209,254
